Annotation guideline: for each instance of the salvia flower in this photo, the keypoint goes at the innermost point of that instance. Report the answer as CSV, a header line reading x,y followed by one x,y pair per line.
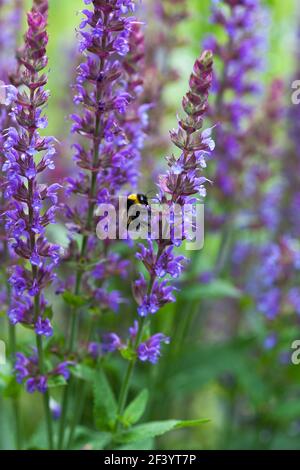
x,y
55,409
273,282
270,341
10,19
263,185
111,342
27,156
94,349
291,165
294,299
185,175
111,127
161,42
183,180
235,86
27,369
150,350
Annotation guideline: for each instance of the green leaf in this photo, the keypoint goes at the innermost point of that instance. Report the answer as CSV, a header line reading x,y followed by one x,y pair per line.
x,y
105,405
191,423
286,411
154,429
101,441
12,389
74,300
140,445
214,290
56,381
95,311
28,326
90,439
128,353
3,314
135,409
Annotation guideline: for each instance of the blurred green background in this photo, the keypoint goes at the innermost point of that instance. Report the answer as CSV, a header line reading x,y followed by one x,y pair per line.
x,y
251,400
65,17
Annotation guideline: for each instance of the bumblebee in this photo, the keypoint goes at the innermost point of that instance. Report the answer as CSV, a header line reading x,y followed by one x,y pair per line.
x,y
135,199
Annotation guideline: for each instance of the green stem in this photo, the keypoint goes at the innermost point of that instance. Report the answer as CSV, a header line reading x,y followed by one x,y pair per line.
x,y
63,415
124,390
129,372
46,397
225,244
40,351
15,401
12,341
16,407
80,397
128,376
183,326
75,316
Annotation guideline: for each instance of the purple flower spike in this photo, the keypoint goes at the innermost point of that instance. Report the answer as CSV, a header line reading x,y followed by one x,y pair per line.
x,y
183,180
27,155
243,24
110,123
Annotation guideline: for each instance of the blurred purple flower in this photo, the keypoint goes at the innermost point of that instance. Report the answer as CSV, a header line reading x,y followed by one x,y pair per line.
x,y
294,299
244,27
55,409
269,303
111,342
270,341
